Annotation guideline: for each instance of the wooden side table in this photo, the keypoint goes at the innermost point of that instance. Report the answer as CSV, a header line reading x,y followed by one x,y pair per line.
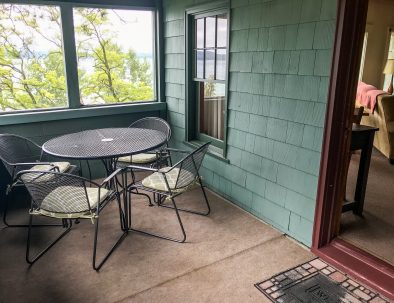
x,y
362,138
358,113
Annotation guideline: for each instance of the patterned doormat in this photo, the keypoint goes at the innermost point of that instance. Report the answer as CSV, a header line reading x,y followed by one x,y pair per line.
x,y
315,281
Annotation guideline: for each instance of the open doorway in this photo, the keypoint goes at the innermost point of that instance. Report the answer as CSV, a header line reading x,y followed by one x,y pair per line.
x,y
328,240
370,226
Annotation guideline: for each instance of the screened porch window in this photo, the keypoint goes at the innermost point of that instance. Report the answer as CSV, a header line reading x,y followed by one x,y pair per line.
x,y
32,73
67,55
115,56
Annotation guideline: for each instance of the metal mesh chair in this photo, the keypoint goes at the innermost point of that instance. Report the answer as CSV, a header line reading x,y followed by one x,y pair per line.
x,y
153,123
170,182
18,153
154,158
65,196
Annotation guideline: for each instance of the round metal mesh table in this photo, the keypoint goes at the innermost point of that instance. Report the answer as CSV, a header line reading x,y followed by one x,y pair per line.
x,y
104,143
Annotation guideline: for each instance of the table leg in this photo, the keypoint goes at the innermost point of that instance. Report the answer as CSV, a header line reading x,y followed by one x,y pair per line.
x,y
126,201
109,165
362,176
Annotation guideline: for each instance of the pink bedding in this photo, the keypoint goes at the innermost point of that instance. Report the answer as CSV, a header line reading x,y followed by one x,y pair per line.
x,y
367,95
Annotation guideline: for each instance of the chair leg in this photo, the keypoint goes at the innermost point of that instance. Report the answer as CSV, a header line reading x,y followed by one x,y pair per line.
x,y
136,190
65,224
146,195
157,198
181,240
5,210
5,222
206,200
120,239
206,213
123,220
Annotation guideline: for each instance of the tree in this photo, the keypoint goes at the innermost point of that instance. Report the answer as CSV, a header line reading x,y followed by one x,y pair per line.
x,y
139,71
118,75
28,78
32,71
209,87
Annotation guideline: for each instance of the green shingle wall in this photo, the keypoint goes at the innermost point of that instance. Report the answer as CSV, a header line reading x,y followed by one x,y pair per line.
x,y
280,54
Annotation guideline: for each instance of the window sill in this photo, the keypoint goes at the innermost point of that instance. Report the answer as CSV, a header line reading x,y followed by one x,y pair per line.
x,y
64,114
213,151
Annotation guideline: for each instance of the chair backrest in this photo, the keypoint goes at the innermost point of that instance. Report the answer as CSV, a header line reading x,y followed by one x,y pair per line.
x,y
190,165
56,192
155,124
17,149
358,114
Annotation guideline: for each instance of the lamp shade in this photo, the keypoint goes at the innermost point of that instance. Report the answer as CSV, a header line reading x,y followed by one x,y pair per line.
x,y
389,68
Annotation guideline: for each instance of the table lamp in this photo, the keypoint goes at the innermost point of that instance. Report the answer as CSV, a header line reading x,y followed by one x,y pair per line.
x,y
389,70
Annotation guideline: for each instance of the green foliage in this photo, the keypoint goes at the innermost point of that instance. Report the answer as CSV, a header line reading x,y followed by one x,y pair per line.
x,y
209,88
29,79
32,78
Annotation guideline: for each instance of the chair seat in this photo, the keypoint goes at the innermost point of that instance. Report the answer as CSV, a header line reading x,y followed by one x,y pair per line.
x,y
62,166
69,202
139,158
156,180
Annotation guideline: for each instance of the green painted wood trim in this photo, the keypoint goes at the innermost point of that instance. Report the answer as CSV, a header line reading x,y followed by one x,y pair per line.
x,y
206,9
70,56
215,142
159,60
128,4
225,118
190,108
212,151
64,114
208,6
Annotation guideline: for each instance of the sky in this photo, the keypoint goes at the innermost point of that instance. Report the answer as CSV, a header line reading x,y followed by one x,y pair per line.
x,y
132,29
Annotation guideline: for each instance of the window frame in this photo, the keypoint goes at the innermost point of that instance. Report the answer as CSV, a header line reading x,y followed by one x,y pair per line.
x,y
192,135
71,64
390,31
363,56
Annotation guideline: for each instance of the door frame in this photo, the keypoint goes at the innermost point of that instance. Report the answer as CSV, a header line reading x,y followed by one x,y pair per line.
x,y
349,34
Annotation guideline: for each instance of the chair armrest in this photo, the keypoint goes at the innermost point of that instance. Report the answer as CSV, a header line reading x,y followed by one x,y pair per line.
x,y
111,176
177,150
28,165
73,170
32,163
17,178
142,168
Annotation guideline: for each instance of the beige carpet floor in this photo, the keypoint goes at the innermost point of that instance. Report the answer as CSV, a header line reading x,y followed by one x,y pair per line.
x,y
374,232
225,254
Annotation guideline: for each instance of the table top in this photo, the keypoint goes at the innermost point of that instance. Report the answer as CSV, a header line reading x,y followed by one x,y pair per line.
x,y
104,143
363,128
